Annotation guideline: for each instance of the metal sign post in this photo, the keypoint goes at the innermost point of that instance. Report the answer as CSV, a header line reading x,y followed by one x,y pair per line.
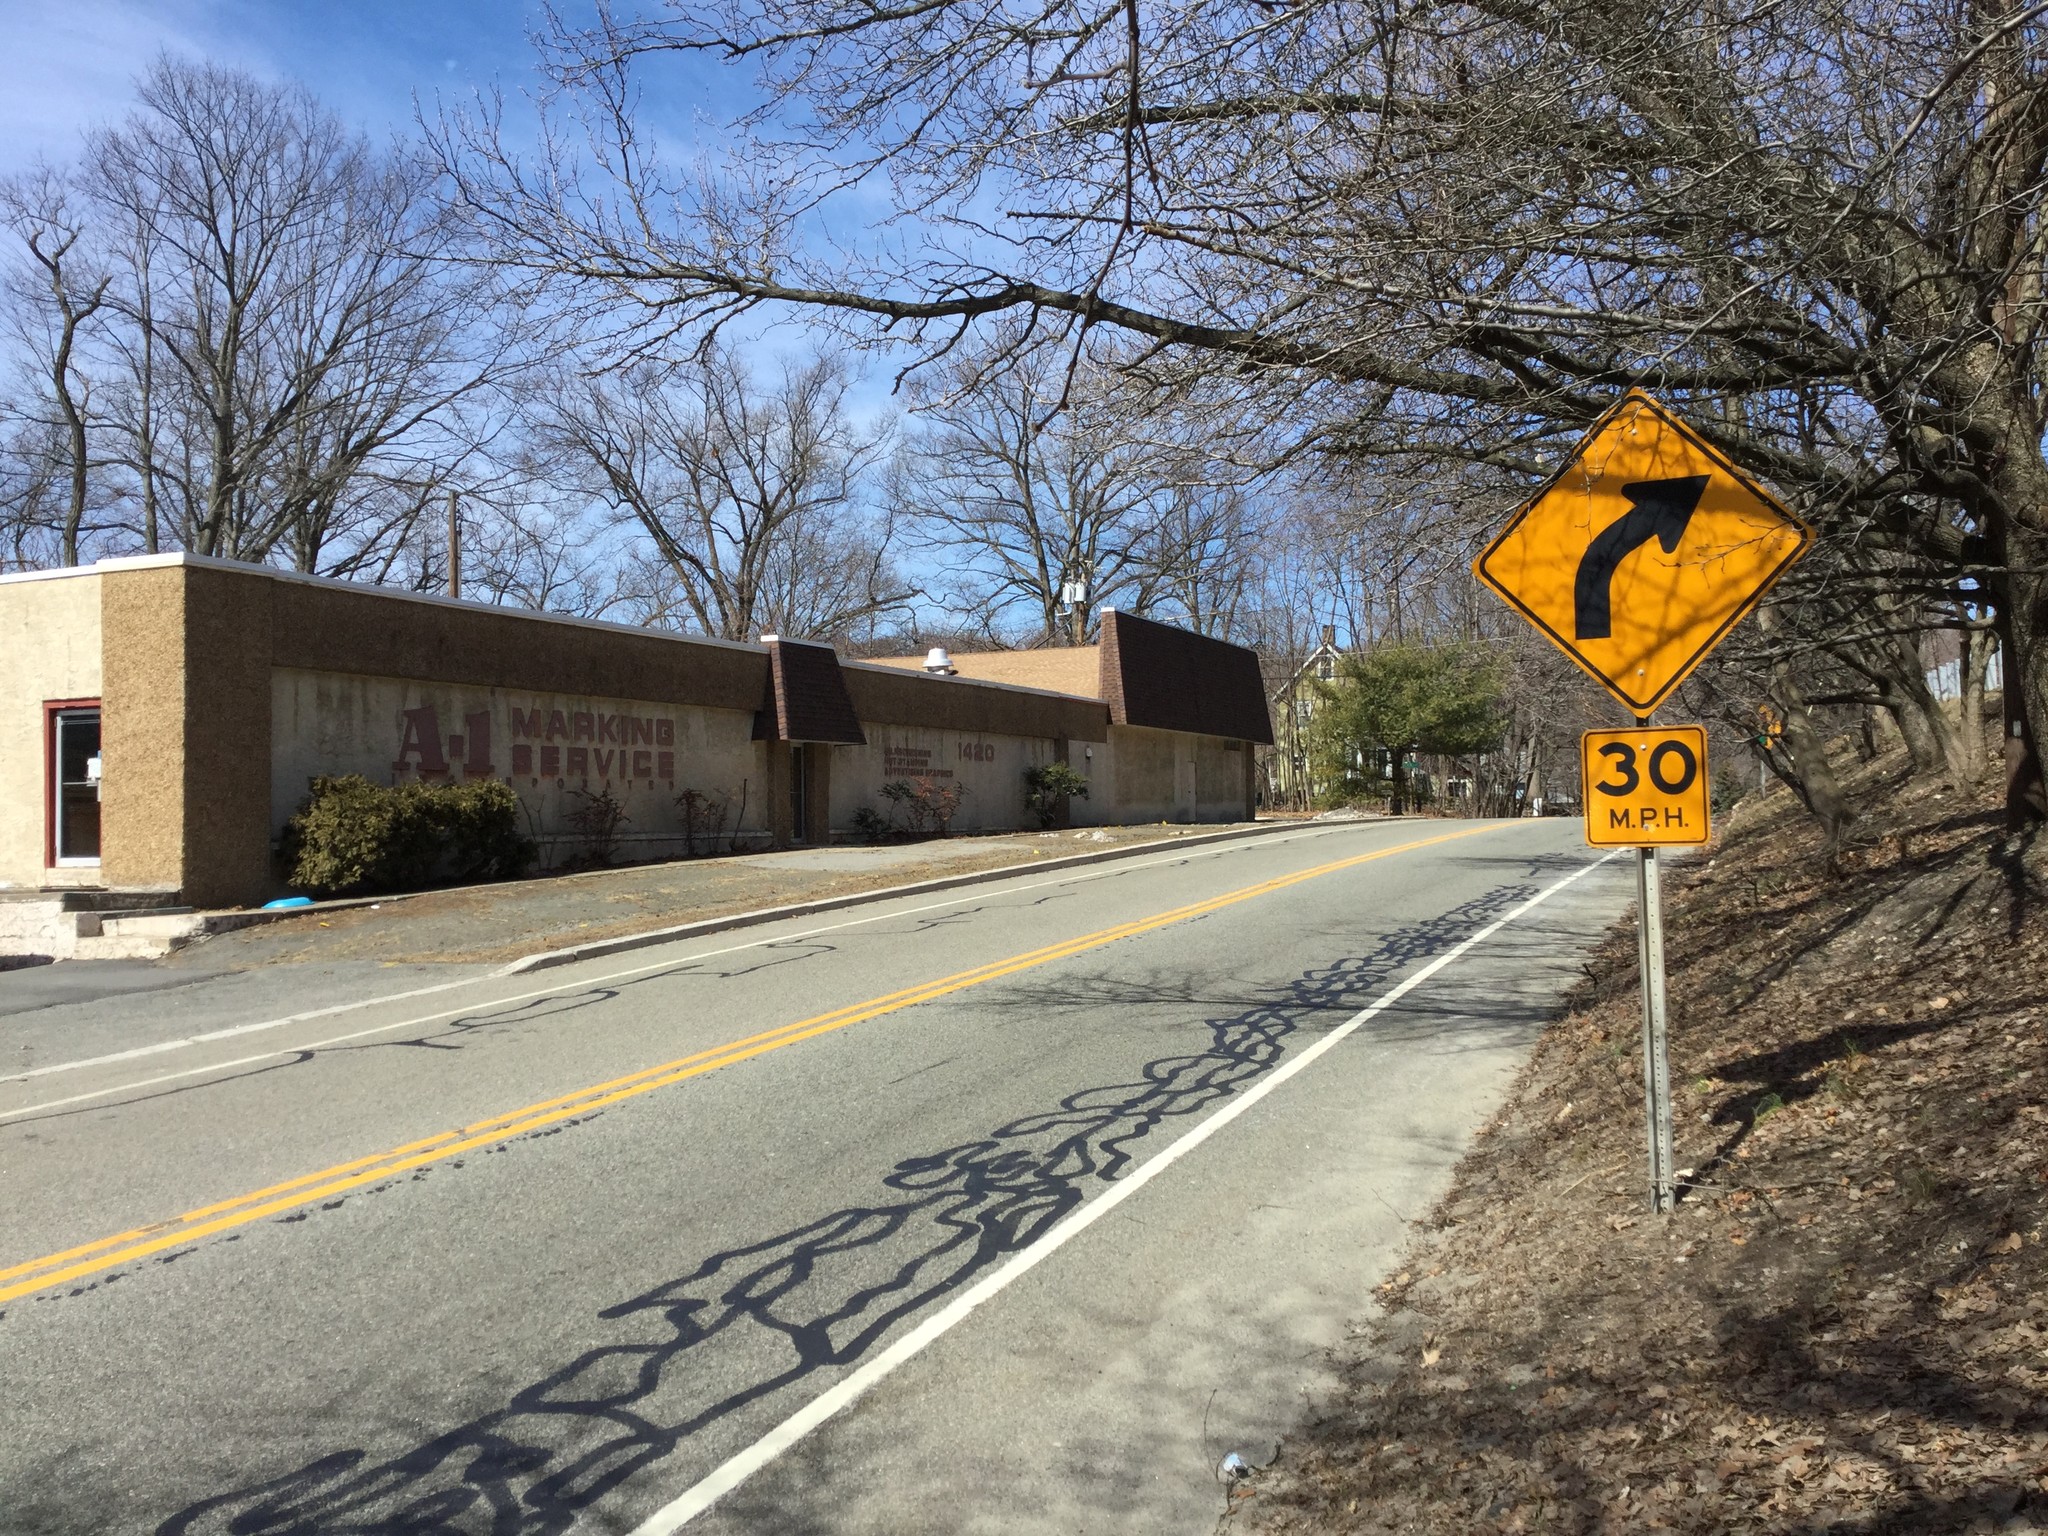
x,y
1647,789
1656,1057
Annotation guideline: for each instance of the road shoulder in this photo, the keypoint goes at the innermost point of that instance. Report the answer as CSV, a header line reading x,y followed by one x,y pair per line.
x,y
1842,1323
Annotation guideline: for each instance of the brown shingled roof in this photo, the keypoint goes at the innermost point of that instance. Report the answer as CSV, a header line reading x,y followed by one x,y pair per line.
x,y
807,699
1176,680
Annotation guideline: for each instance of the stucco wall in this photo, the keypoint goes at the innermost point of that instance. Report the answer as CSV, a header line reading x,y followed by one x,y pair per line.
x,y
142,808
186,732
49,649
548,746
227,739
1142,774
989,767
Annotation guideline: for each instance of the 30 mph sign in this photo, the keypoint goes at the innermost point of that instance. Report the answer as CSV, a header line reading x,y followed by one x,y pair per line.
x,y
1646,788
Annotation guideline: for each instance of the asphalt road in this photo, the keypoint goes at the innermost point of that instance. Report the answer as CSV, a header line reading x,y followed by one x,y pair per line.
x,y
1013,1209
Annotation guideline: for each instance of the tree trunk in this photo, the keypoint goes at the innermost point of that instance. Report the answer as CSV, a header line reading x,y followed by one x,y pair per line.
x,y
74,507
1804,745
1808,752
1892,663
1975,660
1932,743
2024,621
1398,800
145,455
1782,772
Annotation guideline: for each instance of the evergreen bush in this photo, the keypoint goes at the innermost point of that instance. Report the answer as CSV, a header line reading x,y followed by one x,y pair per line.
x,y
1048,786
350,837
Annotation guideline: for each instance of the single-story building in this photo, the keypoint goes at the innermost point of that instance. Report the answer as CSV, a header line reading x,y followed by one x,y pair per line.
x,y
162,716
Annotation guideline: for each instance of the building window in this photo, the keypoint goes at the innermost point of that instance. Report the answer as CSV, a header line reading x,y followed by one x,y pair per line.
x,y
74,784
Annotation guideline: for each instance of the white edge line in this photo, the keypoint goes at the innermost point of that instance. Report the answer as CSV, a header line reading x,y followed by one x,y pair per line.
x,y
563,984
674,1515
185,1042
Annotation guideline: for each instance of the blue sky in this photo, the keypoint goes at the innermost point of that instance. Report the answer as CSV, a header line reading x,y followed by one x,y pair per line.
x,y
69,64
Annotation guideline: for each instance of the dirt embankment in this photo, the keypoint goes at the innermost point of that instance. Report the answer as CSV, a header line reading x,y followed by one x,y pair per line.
x,y
1844,1326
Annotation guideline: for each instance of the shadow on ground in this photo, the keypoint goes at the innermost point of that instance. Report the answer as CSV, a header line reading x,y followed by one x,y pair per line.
x,y
782,1316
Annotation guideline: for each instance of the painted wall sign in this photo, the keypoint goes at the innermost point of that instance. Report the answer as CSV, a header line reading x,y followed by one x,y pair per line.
x,y
542,752
546,743
912,763
553,750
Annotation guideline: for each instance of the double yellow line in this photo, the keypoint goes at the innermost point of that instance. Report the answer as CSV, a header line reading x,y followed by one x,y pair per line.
x,y
59,1269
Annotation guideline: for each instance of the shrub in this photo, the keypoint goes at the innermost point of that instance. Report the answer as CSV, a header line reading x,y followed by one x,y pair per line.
x,y
480,821
1351,793
350,837
1047,786
872,825
942,802
899,794
928,807
703,817
597,821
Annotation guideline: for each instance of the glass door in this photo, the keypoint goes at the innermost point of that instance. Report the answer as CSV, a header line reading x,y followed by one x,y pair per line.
x,y
75,803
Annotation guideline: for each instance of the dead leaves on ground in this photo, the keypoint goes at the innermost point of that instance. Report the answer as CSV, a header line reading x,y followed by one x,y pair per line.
x,y
1845,1324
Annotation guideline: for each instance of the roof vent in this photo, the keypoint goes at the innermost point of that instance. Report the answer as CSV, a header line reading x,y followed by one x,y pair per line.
x,y
938,663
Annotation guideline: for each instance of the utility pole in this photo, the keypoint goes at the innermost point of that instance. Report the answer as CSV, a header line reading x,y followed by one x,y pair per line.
x,y
1074,596
454,546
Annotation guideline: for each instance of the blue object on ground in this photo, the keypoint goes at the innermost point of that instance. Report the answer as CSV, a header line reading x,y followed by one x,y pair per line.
x,y
288,901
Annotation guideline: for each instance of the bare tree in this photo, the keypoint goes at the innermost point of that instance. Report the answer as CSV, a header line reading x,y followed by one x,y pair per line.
x,y
292,320
32,476
1205,555
527,545
1049,490
50,302
1023,501
747,494
1455,232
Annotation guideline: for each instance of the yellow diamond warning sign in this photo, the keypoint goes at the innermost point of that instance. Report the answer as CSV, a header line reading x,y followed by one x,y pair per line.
x,y
1643,552
1645,788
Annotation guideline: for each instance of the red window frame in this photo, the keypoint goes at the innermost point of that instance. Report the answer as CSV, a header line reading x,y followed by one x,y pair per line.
x,y
51,707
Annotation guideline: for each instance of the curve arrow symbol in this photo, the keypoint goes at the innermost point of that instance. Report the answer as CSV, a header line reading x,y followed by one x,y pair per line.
x,y
1659,509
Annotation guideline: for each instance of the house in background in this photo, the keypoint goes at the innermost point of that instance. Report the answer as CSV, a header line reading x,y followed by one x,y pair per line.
x,y
1287,769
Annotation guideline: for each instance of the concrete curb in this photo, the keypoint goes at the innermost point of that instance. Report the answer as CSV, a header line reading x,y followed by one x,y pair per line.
x,y
597,948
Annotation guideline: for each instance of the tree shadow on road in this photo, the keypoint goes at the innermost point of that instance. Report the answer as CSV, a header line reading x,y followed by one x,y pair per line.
x,y
784,1315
